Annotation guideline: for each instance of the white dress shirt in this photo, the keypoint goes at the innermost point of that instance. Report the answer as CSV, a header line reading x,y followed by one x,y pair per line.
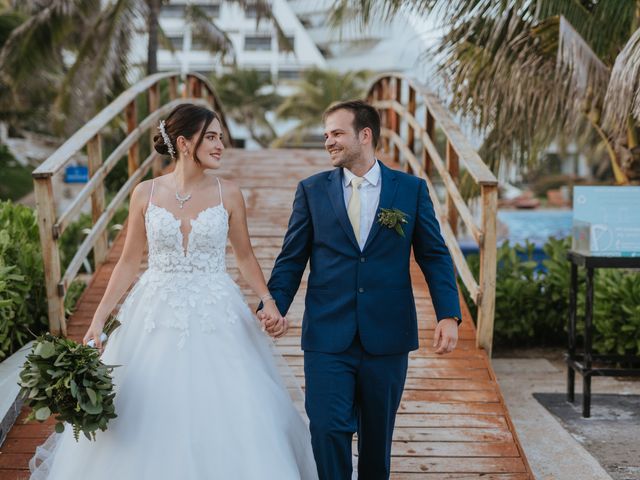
x,y
369,198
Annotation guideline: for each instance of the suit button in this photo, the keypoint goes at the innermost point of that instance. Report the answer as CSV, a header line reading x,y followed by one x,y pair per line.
x,y
362,260
361,290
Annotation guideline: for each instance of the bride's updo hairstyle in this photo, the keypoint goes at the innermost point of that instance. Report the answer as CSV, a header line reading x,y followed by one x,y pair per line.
x,y
186,120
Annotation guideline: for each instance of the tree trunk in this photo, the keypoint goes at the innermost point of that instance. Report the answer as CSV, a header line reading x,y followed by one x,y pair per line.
x,y
619,175
152,27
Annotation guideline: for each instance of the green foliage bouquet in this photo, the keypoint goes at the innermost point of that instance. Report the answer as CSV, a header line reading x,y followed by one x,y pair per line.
x,y
63,378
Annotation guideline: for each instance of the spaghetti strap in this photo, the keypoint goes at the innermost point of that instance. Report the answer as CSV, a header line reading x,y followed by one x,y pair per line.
x,y
153,184
220,190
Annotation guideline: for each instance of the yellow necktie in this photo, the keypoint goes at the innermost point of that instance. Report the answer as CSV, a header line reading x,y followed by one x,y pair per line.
x,y
353,209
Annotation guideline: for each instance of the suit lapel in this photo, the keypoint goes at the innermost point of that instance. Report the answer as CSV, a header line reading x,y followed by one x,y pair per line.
x,y
336,196
388,191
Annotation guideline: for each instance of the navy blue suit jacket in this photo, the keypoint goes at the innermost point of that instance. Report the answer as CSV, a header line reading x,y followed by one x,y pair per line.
x,y
366,291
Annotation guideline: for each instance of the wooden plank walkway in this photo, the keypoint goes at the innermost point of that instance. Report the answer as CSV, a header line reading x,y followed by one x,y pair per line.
x,y
452,423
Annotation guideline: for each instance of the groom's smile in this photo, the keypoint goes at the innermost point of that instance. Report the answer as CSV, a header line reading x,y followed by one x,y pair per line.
x,y
341,140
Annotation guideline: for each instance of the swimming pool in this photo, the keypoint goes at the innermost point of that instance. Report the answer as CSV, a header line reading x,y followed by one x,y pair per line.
x,y
537,226
517,226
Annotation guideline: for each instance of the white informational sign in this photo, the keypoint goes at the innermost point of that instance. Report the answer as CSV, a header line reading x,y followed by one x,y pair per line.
x,y
606,221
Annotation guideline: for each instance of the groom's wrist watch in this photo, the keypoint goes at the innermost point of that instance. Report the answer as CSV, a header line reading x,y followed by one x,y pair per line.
x,y
457,319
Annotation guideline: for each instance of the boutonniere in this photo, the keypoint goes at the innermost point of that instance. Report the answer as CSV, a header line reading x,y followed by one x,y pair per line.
x,y
393,218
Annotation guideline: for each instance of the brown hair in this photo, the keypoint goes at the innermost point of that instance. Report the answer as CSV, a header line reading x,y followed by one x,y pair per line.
x,y
364,116
186,120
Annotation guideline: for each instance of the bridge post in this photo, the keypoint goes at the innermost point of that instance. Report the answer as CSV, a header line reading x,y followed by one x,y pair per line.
x,y
192,86
154,104
411,107
197,88
385,113
487,279
94,154
173,87
453,168
430,125
45,206
132,122
395,121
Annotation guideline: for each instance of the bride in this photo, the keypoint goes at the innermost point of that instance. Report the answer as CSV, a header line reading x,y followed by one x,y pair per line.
x,y
199,395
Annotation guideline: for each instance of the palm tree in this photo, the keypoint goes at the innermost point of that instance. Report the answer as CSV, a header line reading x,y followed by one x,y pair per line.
x,y
247,96
316,91
528,71
95,38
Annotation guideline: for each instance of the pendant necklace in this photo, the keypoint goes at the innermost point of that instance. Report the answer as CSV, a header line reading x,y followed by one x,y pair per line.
x,y
182,199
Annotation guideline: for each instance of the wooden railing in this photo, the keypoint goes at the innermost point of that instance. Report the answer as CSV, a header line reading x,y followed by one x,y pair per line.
x,y
194,89
401,102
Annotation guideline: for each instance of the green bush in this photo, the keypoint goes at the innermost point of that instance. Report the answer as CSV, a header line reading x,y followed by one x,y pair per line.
x,y
520,313
23,299
532,307
15,181
617,312
23,305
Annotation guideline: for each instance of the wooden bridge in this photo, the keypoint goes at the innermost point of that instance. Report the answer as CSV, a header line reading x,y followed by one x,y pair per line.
x,y
453,422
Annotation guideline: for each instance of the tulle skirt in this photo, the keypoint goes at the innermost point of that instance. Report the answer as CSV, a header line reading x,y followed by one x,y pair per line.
x,y
200,394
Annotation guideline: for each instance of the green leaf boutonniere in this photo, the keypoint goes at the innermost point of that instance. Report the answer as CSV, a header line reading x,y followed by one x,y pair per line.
x,y
393,218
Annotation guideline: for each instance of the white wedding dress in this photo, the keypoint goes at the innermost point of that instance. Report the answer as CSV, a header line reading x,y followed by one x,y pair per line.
x,y
199,393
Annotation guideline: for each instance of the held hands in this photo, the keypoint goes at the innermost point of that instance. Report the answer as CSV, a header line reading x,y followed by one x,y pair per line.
x,y
272,322
446,336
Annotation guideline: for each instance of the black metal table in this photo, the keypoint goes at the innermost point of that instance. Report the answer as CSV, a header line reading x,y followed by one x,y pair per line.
x,y
583,362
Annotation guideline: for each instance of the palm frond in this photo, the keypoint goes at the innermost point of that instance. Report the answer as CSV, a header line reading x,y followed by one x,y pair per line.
x,y
9,21
101,63
205,27
34,44
623,92
247,96
584,69
315,92
506,86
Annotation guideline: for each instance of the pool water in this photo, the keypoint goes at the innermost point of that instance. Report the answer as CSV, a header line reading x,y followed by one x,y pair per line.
x,y
537,226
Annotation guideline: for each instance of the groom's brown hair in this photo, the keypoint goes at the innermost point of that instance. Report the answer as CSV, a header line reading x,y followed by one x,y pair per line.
x,y
364,116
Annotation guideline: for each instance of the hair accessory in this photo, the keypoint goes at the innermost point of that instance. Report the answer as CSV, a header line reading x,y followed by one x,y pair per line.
x,y
166,139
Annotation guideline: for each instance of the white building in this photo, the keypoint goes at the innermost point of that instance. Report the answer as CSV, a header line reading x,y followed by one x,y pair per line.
x,y
255,42
396,45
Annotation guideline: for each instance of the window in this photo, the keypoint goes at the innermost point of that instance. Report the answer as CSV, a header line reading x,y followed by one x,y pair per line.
x,y
255,43
172,11
288,45
251,11
176,42
288,74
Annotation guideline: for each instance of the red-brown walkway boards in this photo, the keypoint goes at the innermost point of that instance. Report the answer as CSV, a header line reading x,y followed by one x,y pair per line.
x,y
453,422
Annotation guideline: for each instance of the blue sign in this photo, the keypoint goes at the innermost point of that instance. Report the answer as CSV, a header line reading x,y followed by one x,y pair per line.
x,y
606,220
76,174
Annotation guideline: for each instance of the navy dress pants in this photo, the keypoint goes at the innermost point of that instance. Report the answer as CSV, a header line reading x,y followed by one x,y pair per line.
x,y
348,392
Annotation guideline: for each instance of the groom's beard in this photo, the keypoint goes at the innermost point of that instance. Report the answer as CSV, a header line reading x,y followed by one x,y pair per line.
x,y
347,157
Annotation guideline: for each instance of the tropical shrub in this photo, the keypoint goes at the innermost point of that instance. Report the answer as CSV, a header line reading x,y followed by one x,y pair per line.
x,y
23,299
532,303
23,305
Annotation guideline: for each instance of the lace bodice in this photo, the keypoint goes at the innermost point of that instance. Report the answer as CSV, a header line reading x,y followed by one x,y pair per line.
x,y
206,242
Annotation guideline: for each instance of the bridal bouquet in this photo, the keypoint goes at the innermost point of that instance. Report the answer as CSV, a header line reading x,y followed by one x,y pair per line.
x,y
64,378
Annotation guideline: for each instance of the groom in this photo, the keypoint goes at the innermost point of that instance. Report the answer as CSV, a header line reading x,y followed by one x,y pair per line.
x,y
360,318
